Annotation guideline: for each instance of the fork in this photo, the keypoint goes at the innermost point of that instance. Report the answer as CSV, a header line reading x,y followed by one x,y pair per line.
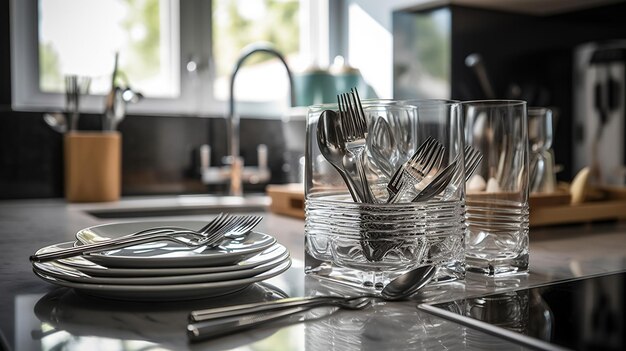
x,y
450,175
210,235
472,159
354,132
439,183
427,157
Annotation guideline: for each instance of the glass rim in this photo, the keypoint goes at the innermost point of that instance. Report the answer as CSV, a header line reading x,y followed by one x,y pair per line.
x,y
495,102
390,102
416,102
326,105
539,109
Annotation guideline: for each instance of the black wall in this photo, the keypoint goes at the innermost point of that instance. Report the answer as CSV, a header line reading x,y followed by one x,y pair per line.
x,y
534,53
159,154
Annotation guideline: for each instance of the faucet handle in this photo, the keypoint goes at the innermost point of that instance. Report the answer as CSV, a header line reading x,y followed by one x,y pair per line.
x,y
205,156
261,151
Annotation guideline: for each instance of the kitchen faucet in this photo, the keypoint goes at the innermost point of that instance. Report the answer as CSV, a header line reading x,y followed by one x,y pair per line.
x,y
235,172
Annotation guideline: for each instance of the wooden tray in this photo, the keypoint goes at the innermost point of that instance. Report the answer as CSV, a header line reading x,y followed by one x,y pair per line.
x,y
287,199
545,209
579,213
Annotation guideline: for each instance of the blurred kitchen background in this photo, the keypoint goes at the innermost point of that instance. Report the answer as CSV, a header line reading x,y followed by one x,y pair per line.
x,y
568,55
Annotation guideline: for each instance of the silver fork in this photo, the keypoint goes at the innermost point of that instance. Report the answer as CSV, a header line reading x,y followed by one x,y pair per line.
x,y
427,157
396,181
354,132
210,235
450,174
472,159
439,183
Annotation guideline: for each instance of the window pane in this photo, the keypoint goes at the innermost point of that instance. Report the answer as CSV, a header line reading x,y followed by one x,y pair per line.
x,y
237,23
82,36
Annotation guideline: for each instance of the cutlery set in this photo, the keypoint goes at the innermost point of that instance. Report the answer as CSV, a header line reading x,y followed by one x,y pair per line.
x,y
116,103
164,260
75,86
348,143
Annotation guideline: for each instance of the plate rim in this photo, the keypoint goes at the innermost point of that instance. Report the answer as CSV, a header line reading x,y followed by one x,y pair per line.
x,y
167,288
164,271
154,280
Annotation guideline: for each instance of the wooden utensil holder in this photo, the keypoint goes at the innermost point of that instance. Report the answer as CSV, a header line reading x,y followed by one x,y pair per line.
x,y
92,166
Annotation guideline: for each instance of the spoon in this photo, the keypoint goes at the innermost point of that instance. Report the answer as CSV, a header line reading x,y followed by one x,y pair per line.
x,y
382,146
399,288
56,121
332,148
227,320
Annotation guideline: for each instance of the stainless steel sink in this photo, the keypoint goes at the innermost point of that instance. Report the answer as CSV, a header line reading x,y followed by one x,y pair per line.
x,y
177,206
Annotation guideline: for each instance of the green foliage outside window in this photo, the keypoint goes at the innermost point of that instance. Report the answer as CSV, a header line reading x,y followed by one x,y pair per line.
x,y
277,23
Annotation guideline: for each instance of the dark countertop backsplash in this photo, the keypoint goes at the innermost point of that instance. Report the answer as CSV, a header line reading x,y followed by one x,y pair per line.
x,y
159,154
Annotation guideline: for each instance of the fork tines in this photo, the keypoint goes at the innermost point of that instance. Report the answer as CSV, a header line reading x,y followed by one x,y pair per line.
x,y
352,116
472,159
396,181
238,225
418,168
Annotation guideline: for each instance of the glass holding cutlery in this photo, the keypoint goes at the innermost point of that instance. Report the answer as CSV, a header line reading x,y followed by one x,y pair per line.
x,y
497,194
367,243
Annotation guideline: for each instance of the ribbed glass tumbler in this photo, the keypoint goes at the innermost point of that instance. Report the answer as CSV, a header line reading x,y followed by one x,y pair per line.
x,y
497,193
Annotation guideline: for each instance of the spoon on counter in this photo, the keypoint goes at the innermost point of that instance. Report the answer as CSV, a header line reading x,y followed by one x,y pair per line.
x,y
215,322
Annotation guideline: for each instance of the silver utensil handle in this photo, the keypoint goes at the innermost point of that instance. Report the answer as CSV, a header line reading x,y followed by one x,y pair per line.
x,y
216,328
112,244
239,310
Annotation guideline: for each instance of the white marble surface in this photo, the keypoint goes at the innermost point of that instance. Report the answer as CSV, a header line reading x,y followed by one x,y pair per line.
x,y
36,315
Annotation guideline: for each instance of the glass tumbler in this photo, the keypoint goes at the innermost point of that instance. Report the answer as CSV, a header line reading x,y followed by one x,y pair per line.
x,y
365,242
497,192
541,171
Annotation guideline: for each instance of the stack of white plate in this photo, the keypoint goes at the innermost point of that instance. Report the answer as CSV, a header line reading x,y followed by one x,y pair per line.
x,y
164,270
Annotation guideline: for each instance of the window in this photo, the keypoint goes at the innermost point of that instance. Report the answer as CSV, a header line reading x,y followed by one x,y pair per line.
x,y
178,53
141,31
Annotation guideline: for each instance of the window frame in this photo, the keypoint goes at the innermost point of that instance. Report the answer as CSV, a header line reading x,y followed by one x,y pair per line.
x,y
196,88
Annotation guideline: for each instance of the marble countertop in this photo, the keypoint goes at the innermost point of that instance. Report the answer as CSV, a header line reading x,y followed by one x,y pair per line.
x,y
37,315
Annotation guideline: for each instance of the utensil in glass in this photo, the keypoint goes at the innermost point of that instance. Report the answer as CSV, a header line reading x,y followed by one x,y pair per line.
x,y
354,132
381,147
497,216
472,158
439,183
415,170
331,146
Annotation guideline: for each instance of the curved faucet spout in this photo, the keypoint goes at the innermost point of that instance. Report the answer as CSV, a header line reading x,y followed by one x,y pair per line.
x,y
236,187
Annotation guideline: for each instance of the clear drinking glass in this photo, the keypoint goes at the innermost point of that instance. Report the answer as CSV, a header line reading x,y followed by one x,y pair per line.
x,y
366,245
542,176
497,193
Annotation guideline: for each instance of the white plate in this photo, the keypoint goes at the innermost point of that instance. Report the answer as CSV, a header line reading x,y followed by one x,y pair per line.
x,y
61,271
270,254
169,254
165,292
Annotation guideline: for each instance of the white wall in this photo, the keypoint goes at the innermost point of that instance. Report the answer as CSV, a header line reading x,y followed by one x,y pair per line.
x,y
367,25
